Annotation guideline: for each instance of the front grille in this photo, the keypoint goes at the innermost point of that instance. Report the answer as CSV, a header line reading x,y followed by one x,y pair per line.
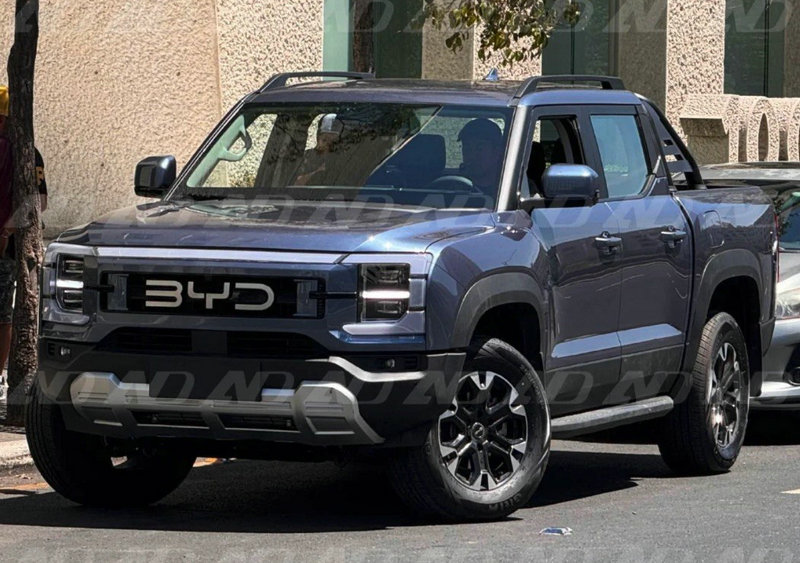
x,y
148,340
213,295
152,418
255,422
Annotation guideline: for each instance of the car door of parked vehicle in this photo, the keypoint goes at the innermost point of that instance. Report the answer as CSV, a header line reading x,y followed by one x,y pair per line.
x,y
656,255
583,360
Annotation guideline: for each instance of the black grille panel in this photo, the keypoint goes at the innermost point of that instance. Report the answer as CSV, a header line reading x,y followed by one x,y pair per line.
x,y
169,418
273,345
238,344
256,422
147,340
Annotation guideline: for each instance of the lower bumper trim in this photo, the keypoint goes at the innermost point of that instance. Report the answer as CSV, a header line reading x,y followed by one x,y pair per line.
x,y
318,412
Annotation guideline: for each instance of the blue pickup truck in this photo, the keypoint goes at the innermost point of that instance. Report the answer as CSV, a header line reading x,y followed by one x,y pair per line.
x,y
441,276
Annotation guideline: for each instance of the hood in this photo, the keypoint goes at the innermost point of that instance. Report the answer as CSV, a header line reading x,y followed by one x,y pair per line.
x,y
314,226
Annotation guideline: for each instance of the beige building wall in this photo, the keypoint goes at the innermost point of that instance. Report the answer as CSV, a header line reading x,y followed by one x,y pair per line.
x,y
439,62
258,38
118,81
641,35
695,52
791,61
519,71
123,79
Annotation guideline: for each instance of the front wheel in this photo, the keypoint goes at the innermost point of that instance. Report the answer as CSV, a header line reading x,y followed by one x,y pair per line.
x,y
485,456
85,469
705,432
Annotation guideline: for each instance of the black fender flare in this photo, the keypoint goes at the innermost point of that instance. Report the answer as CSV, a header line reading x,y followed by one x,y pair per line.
x,y
492,291
729,264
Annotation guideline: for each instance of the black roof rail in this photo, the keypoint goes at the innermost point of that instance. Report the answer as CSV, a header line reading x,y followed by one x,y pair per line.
x,y
532,84
280,80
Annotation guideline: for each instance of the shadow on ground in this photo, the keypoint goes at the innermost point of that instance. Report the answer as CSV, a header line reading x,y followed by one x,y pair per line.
x,y
280,497
765,428
248,496
574,475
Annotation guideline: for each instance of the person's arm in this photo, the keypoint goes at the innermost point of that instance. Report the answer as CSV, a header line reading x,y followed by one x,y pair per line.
x,y
41,181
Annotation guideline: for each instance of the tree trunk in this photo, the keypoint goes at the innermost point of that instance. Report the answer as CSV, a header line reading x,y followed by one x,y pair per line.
x,y
23,362
363,13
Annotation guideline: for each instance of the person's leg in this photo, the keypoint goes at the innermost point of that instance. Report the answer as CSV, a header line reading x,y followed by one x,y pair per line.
x,y
6,308
5,344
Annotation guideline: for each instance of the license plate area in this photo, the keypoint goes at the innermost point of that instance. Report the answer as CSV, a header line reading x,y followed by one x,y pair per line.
x,y
198,380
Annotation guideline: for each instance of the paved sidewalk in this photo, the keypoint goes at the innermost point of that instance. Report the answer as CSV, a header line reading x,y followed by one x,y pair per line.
x,y
13,446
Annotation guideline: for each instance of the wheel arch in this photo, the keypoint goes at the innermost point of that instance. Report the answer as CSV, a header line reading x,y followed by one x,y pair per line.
x,y
731,283
508,306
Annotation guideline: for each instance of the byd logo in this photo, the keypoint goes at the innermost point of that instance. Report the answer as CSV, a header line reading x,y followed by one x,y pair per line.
x,y
170,294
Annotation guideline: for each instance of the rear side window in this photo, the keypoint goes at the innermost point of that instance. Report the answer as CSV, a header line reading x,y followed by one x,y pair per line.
x,y
622,153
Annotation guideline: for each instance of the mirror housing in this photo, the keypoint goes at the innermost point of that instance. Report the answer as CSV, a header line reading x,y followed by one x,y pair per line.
x,y
155,175
571,184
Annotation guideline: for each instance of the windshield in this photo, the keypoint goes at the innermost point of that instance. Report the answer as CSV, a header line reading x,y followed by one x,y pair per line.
x,y
432,156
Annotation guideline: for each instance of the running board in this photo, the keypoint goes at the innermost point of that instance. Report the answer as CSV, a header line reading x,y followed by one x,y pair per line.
x,y
611,417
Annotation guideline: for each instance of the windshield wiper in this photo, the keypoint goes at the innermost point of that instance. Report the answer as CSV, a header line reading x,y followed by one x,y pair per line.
x,y
205,197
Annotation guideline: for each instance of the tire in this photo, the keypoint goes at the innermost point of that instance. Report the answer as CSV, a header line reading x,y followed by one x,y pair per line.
x,y
498,377
80,466
704,433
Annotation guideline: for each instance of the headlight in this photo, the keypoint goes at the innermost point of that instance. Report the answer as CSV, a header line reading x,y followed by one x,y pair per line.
x,y
391,294
69,282
384,291
63,283
787,305
787,301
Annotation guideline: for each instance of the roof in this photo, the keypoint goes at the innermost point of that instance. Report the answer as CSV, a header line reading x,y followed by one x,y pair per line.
x,y
457,92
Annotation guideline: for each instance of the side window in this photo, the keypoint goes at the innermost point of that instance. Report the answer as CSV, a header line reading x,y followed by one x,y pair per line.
x,y
555,141
622,154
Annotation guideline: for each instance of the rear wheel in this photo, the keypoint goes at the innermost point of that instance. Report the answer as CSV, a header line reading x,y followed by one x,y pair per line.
x,y
485,456
705,432
85,469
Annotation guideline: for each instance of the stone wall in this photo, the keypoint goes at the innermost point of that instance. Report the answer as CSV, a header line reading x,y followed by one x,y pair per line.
x,y
641,29
695,52
115,82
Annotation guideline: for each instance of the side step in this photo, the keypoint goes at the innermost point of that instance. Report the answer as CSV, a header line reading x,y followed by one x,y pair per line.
x,y
611,417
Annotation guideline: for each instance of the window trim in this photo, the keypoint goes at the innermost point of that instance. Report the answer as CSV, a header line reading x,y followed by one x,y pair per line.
x,y
590,155
650,158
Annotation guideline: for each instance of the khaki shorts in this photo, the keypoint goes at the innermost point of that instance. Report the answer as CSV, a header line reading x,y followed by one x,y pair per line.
x,y
8,270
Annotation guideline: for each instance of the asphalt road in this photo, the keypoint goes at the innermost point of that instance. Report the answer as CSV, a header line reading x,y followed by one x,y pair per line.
x,y
618,498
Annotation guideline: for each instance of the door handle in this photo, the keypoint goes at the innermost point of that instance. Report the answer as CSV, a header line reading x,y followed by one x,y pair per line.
x,y
607,244
672,237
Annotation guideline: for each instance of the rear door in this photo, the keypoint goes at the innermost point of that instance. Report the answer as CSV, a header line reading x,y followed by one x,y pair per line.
x,y
656,256
583,350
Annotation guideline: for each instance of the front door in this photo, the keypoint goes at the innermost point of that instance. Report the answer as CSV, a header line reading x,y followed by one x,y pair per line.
x,y
585,275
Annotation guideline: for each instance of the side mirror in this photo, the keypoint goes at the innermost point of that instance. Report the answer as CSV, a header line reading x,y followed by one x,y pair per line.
x,y
570,184
155,175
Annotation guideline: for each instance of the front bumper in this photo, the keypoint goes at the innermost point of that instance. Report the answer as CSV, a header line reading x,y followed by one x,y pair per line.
x,y
328,401
782,357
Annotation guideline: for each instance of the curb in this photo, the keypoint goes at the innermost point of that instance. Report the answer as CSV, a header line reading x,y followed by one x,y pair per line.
x,y
14,454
